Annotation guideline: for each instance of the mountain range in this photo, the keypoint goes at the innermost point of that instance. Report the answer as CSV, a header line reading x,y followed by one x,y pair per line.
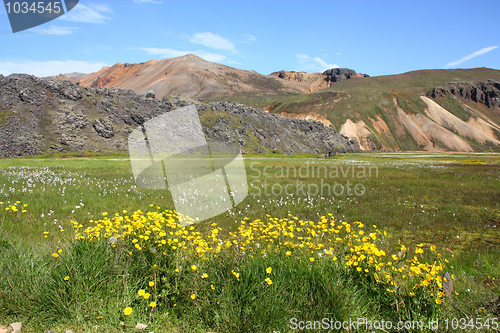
x,y
425,110
390,113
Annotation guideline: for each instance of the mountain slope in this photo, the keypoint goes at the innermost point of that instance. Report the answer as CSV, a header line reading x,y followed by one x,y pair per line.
x,y
188,76
411,111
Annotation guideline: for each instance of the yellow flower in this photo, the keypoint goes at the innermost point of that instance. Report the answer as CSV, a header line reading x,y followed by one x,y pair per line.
x,y
433,247
269,281
55,255
59,251
177,270
204,275
66,278
99,317
151,283
419,250
311,259
288,253
141,292
193,267
212,287
127,311
334,258
152,304
237,275
439,301
146,295
269,270
193,296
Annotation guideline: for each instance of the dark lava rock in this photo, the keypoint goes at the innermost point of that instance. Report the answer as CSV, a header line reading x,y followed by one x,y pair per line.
x,y
341,74
484,92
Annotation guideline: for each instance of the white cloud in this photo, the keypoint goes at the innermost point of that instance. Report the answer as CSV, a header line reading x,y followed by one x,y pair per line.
x,y
90,13
470,56
250,37
313,64
156,2
323,65
49,68
303,57
56,30
212,41
171,53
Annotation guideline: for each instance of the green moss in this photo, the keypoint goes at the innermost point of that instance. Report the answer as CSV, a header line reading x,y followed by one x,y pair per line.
x,y
4,116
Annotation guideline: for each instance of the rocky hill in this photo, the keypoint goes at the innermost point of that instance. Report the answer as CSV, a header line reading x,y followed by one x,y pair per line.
x,y
40,116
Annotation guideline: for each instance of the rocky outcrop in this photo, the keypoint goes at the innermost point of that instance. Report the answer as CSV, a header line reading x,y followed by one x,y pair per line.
x,y
290,75
340,74
311,82
43,116
484,92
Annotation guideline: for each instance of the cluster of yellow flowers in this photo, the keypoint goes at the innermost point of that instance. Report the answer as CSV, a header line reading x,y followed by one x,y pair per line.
x,y
14,208
353,245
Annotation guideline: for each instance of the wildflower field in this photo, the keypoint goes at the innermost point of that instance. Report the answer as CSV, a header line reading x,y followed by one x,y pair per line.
x,y
415,239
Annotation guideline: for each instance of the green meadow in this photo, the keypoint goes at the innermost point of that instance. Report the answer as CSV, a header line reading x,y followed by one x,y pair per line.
x,y
450,200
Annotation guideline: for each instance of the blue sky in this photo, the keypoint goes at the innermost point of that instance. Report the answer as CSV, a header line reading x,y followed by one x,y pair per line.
x,y
373,37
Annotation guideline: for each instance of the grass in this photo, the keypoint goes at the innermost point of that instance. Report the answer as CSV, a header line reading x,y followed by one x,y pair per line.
x,y
450,200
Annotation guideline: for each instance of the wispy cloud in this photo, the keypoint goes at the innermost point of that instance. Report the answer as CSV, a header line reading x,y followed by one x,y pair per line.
x,y
56,30
49,68
212,41
308,63
171,53
156,2
250,37
89,13
470,56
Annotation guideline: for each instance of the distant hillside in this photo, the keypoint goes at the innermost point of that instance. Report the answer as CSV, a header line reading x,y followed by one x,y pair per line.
x,y
432,110
192,76
73,77
188,76
43,116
